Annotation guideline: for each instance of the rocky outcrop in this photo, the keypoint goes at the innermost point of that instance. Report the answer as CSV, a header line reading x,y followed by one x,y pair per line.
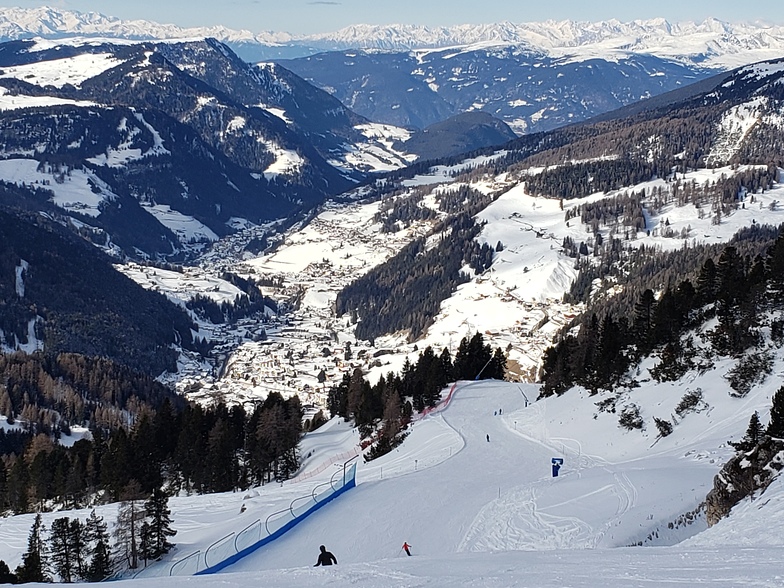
x,y
741,476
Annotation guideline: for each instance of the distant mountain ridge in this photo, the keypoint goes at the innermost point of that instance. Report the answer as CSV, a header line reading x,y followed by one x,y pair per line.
x,y
712,42
527,89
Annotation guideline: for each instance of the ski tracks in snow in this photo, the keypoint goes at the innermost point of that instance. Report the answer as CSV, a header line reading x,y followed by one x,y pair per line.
x,y
514,522
524,518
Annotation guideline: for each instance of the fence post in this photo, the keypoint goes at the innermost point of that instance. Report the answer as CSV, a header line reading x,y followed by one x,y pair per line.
x,y
344,467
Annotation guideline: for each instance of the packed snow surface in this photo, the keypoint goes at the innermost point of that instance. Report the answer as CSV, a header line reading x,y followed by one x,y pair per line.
x,y
472,490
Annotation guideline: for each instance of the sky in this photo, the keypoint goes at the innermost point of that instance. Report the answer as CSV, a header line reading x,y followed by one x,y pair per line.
x,y
314,16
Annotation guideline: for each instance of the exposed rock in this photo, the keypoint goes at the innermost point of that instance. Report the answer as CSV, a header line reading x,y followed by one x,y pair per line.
x,y
743,475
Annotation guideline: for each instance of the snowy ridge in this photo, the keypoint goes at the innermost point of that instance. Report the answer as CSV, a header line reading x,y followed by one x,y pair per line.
x,y
711,42
21,23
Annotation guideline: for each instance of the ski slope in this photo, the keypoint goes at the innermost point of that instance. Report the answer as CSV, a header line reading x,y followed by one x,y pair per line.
x,y
490,513
496,495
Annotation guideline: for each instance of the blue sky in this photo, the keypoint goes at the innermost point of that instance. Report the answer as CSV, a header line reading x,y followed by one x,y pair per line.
x,y
312,16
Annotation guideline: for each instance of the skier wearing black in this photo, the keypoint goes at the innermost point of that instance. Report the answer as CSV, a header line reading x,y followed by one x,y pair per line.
x,y
325,558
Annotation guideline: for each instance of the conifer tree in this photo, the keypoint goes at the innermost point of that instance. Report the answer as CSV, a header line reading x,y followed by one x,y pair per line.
x,y
220,458
97,537
3,487
497,367
6,576
146,543
61,552
643,320
157,510
356,397
776,424
753,436
35,563
18,486
77,540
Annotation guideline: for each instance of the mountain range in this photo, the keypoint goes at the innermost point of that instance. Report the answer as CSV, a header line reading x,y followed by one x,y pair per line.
x,y
533,76
165,131
712,41
273,251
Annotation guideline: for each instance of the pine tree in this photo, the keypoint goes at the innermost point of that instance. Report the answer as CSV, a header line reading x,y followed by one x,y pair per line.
x,y
356,398
18,486
77,540
34,566
60,549
3,487
497,368
774,266
97,537
157,510
220,458
146,543
707,282
643,320
6,576
753,436
776,424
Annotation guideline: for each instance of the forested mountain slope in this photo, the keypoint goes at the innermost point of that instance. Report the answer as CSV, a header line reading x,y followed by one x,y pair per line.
x,y
626,191
163,147
61,295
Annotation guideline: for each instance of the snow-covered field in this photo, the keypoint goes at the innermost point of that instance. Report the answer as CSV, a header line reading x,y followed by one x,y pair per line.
x,y
482,512
516,304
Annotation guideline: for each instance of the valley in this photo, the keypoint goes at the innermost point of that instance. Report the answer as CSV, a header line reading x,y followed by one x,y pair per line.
x,y
226,282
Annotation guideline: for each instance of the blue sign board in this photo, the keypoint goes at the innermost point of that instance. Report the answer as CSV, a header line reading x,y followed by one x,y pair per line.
x,y
557,463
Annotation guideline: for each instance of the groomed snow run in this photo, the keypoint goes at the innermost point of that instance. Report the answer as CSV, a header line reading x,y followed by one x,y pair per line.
x,y
471,489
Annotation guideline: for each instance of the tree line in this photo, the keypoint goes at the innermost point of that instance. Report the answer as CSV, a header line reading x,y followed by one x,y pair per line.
x,y
383,410
735,289
84,551
190,449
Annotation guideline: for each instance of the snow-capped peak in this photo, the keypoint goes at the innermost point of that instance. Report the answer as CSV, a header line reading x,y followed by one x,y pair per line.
x,y
711,42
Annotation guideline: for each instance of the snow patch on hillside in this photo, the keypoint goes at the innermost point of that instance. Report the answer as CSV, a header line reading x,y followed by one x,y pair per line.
x,y
125,153
187,228
377,153
278,112
72,191
733,128
60,72
10,101
287,161
20,272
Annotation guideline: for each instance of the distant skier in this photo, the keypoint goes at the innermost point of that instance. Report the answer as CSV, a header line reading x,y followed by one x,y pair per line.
x,y
325,558
488,438
500,411
407,548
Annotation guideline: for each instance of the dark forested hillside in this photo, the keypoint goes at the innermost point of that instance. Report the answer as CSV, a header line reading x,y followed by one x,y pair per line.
x,y
458,134
406,292
76,302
